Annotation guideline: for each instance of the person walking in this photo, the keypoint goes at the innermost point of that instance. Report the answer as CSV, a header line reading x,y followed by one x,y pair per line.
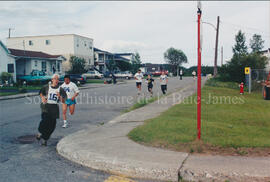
x,y
163,82
138,77
181,74
194,74
149,82
50,95
72,92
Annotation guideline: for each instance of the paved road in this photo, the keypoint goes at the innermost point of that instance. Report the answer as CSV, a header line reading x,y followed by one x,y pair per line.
x,y
31,162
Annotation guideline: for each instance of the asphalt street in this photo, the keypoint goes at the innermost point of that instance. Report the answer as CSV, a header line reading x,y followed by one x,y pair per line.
x,y
31,162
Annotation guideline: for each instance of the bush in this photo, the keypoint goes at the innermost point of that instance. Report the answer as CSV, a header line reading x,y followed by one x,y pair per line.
x,y
22,90
6,77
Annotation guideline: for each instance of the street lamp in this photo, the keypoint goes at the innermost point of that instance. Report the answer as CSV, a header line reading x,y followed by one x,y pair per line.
x,y
216,47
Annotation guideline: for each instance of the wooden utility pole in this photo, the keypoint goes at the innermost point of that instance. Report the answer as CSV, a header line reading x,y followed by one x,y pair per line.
x,y
221,55
216,48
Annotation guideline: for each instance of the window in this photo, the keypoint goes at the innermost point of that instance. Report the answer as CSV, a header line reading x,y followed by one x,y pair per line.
x,y
77,43
90,45
10,68
48,42
85,44
44,66
35,63
58,67
30,42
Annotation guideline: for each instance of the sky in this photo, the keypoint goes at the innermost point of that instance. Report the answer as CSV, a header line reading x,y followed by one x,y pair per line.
x,y
146,27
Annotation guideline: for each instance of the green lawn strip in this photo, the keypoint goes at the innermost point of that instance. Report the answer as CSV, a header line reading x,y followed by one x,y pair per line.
x,y
95,81
30,87
228,120
8,93
140,104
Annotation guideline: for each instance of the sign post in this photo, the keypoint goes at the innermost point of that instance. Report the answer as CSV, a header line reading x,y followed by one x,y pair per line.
x,y
199,12
248,78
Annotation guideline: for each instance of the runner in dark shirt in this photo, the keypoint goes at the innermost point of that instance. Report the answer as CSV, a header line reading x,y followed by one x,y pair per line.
x,y
149,82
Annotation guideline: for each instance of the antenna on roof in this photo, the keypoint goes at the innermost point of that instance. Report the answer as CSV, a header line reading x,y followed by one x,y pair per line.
x,y
9,31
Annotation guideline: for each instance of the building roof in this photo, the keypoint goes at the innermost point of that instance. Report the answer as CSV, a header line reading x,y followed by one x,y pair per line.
x,y
32,54
124,54
29,36
4,47
99,50
265,51
117,57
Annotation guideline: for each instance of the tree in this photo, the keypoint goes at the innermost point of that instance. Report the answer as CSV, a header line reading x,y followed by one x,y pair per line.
x,y
135,63
240,47
123,65
234,69
175,57
256,43
77,65
111,65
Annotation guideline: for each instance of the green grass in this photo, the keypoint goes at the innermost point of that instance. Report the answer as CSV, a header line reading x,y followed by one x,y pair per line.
x,y
8,93
228,120
141,103
38,87
95,81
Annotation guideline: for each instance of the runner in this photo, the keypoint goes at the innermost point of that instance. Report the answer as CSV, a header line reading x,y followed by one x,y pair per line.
x,y
149,82
50,95
72,92
138,77
194,74
163,82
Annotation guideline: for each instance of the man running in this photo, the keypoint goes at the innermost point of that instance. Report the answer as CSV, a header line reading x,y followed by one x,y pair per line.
x,y
50,95
163,82
72,92
138,77
149,82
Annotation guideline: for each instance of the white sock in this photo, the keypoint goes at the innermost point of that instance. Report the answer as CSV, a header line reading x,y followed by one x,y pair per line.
x,y
65,121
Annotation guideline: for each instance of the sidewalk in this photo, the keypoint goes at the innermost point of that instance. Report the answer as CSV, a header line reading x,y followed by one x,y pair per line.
x,y
107,148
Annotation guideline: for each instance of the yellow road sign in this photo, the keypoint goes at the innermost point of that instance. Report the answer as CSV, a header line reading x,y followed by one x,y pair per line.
x,y
247,70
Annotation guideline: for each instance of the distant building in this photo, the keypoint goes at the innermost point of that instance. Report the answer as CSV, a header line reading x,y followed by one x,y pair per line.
x,y
27,61
267,54
22,62
127,56
66,45
7,61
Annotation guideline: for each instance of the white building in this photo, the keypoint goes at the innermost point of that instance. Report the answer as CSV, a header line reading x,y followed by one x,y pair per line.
x,y
66,45
22,62
7,61
267,54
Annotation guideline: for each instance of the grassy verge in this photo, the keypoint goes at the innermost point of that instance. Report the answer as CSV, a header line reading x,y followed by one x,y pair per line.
x,y
8,93
141,103
95,81
38,87
230,123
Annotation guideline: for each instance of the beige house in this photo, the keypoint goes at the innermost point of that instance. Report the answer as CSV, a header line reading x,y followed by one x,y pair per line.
x,y
66,45
267,54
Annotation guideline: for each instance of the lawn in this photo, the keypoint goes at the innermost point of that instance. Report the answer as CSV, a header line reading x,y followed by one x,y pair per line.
x,y
8,93
229,120
141,103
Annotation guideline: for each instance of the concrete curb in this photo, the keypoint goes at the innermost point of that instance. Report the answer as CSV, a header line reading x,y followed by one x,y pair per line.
x,y
108,148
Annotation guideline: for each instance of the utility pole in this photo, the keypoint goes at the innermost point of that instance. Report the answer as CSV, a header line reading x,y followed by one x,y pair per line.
x,y
221,55
216,48
199,13
9,31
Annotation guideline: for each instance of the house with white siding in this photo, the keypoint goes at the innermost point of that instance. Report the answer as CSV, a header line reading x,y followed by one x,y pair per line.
x,y
66,45
23,62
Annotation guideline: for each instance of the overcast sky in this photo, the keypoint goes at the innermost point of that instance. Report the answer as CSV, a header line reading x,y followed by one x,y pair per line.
x,y
147,27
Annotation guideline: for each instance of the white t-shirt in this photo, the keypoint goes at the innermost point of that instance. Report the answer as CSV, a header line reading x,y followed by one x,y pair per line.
x,y
52,95
139,77
163,79
71,89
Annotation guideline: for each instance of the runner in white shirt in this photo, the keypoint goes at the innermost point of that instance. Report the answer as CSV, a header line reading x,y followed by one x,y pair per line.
x,y
138,77
163,82
72,92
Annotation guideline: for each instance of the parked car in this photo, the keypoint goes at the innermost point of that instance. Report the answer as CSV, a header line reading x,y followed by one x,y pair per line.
x,y
158,73
125,74
35,75
93,74
75,78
